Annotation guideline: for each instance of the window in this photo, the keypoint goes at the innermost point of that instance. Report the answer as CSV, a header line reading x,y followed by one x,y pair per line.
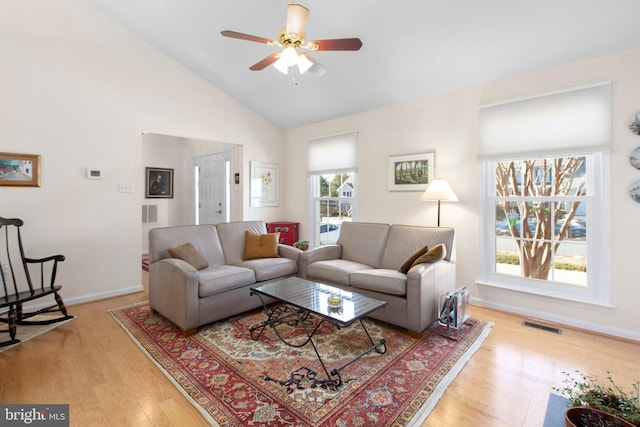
x,y
544,216
333,203
333,185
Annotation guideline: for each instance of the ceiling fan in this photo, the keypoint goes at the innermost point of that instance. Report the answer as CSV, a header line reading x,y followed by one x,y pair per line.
x,y
291,38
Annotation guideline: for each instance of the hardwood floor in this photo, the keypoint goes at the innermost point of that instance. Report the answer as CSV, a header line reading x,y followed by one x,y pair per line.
x,y
92,364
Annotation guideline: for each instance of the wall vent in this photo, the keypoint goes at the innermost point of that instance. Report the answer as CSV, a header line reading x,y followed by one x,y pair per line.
x,y
544,326
149,214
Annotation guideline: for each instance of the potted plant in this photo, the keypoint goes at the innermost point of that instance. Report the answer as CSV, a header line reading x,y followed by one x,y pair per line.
x,y
302,245
594,404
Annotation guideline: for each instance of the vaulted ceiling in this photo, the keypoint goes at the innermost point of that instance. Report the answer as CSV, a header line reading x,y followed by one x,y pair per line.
x,y
411,49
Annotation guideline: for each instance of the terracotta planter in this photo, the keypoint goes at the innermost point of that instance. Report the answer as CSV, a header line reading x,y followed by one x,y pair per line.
x,y
573,417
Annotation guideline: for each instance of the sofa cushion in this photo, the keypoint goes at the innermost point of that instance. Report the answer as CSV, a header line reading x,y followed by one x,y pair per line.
x,y
408,263
261,245
204,239
334,271
363,242
271,268
232,238
190,255
381,280
405,239
223,278
434,254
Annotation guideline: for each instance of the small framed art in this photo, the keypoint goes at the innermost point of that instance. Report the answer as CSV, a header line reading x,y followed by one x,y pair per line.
x,y
412,172
19,170
264,184
159,183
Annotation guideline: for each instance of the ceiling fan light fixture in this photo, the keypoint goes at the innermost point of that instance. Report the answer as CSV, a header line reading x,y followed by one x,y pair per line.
x,y
289,56
281,66
304,63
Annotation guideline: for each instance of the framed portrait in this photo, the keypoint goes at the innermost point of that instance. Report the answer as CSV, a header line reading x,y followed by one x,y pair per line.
x,y
264,184
19,170
412,172
159,183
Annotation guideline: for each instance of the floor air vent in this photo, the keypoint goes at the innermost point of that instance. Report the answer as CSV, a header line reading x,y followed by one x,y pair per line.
x,y
542,326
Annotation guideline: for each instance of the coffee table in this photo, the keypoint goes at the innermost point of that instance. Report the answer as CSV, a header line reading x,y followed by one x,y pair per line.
x,y
300,299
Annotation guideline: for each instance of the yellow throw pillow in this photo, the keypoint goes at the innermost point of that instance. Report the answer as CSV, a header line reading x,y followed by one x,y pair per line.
x,y
189,254
261,245
406,265
434,254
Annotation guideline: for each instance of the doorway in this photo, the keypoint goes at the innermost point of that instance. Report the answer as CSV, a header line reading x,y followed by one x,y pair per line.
x,y
181,154
212,188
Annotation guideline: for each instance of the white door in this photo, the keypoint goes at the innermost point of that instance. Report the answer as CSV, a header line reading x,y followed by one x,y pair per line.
x,y
212,188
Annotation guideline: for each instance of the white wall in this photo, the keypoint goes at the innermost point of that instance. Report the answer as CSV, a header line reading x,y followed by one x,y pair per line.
x,y
446,124
79,89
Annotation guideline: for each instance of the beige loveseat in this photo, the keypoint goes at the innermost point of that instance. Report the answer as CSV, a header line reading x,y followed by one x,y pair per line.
x,y
367,259
189,297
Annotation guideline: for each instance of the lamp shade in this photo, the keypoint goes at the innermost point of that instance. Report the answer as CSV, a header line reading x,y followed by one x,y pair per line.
x,y
440,190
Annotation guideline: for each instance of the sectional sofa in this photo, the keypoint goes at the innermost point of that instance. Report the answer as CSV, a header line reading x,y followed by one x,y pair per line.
x,y
410,267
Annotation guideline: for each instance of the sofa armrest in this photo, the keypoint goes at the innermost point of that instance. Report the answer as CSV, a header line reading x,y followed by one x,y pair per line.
x,y
173,291
320,253
425,284
291,252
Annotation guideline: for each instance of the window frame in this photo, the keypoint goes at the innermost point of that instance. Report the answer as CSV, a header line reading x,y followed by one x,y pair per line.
x,y
598,289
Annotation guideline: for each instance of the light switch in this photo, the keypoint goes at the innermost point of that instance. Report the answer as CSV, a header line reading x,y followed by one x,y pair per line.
x,y
125,188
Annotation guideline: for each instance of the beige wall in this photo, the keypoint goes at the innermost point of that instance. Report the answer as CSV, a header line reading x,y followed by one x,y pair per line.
x,y
79,90
446,124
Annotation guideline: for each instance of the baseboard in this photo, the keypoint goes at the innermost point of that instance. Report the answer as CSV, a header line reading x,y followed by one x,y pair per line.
x,y
103,295
573,323
92,297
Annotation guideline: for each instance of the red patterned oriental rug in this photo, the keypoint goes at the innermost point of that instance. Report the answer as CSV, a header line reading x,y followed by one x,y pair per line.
x,y
236,381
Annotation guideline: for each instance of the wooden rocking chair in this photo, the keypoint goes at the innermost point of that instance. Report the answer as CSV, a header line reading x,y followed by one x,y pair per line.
x,y
14,295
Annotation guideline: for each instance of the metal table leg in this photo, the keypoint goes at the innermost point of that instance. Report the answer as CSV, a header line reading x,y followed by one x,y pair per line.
x,y
299,317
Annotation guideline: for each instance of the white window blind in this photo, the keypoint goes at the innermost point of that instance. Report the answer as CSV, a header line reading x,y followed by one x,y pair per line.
x,y
576,120
332,154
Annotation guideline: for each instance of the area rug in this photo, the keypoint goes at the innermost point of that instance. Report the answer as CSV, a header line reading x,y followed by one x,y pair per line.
x,y
26,332
236,381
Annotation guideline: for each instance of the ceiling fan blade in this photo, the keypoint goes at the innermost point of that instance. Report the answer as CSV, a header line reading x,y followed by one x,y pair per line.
x,y
316,69
296,21
261,65
249,37
335,44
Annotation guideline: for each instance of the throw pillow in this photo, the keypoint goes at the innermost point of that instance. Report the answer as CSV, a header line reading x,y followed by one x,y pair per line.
x,y
261,245
407,263
434,254
189,254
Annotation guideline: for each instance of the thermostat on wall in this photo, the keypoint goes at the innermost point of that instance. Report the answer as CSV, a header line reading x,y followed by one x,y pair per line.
x,y
94,173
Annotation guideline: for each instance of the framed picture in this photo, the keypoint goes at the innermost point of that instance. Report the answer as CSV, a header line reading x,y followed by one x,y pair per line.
x,y
411,172
264,184
19,170
159,183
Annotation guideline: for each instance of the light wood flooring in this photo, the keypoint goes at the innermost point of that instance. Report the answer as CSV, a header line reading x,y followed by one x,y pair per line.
x,y
92,364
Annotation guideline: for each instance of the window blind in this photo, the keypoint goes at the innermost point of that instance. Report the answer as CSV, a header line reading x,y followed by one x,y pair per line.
x,y
577,120
331,154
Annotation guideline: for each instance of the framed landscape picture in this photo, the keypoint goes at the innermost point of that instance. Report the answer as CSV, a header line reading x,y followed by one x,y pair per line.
x,y
19,170
412,172
159,183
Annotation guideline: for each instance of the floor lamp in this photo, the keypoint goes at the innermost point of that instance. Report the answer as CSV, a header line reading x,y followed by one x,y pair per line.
x,y
439,190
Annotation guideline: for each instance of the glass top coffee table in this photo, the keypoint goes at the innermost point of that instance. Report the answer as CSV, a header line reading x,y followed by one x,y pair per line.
x,y
301,299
